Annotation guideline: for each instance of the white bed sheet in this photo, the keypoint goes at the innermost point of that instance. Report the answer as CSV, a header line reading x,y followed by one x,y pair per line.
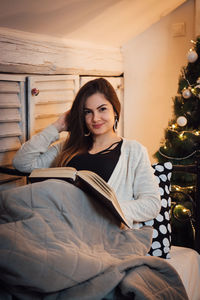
x,y
186,261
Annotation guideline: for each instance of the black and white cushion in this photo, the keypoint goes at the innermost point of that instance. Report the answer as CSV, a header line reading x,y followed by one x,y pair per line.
x,y
161,242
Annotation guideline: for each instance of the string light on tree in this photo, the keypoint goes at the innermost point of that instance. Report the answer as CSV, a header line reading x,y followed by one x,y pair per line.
x,y
173,126
194,91
183,188
181,133
182,136
181,121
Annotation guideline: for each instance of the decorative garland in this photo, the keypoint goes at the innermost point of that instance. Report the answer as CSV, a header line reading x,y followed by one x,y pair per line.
x,y
178,158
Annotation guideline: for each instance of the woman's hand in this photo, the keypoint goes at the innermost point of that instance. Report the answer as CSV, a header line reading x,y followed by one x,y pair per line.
x,y
61,122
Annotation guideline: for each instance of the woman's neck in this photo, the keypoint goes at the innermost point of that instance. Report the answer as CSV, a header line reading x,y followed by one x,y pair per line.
x,y
102,142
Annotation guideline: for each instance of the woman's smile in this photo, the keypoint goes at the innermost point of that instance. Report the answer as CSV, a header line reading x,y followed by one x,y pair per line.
x,y
97,126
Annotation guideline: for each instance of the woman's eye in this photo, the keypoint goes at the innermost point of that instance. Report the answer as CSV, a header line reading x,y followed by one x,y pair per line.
x,y
102,108
86,112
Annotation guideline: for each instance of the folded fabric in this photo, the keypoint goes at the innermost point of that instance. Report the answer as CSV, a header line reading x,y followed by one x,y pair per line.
x,y
57,242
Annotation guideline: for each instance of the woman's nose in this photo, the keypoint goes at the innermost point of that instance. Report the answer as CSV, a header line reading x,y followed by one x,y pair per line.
x,y
96,116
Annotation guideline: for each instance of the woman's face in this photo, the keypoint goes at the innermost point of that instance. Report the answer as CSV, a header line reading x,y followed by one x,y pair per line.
x,y
99,115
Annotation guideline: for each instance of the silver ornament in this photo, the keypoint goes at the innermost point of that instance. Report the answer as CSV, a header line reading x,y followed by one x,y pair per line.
x,y
181,121
186,93
192,55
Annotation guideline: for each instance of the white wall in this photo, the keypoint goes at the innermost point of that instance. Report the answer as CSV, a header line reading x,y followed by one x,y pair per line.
x,y
152,64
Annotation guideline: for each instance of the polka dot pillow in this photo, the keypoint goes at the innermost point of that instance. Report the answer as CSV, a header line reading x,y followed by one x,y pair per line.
x,y
161,242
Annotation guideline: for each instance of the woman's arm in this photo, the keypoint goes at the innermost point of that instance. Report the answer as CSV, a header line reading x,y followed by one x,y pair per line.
x,y
36,152
146,203
135,184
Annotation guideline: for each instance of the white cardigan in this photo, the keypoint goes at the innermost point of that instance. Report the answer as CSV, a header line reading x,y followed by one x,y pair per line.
x,y
133,179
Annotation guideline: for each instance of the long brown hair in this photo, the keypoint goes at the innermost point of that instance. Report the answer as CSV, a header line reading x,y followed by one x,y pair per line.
x,y
77,142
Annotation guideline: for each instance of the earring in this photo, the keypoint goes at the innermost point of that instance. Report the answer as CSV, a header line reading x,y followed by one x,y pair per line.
x,y
115,124
87,134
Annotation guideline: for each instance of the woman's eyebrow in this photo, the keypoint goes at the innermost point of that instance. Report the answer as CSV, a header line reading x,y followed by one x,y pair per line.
x,y
101,105
87,109
90,109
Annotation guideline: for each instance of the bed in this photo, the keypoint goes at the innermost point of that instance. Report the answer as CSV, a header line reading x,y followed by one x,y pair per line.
x,y
186,261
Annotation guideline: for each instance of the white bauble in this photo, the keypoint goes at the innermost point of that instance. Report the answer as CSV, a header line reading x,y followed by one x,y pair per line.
x,y
192,55
186,93
181,121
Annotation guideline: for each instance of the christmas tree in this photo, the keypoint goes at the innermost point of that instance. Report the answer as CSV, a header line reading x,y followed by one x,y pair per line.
x,y
181,145
182,137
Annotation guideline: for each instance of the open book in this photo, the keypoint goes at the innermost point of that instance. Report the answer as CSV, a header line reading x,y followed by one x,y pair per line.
x,y
88,181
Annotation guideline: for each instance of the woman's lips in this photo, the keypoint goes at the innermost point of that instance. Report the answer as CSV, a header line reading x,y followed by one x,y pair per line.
x,y
97,126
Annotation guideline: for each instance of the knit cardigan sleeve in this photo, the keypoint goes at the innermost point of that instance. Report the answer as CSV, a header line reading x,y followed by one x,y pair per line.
x,y
135,184
38,152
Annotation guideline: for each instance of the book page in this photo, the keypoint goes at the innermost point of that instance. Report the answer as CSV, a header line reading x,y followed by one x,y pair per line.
x,y
97,183
64,172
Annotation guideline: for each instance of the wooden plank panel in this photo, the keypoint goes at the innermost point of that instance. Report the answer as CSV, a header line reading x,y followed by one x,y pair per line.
x,y
8,144
38,56
10,129
48,115
12,124
10,115
6,158
9,87
55,108
55,97
54,84
40,124
12,77
45,97
9,101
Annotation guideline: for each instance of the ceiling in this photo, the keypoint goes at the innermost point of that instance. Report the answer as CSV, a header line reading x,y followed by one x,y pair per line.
x,y
105,22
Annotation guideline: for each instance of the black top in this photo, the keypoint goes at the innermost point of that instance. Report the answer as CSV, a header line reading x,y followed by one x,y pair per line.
x,y
102,163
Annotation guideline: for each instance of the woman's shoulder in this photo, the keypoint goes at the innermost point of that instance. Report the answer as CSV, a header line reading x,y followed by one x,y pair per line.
x,y
133,144
134,150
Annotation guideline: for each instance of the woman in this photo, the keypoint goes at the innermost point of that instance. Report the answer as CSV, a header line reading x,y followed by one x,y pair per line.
x,y
93,144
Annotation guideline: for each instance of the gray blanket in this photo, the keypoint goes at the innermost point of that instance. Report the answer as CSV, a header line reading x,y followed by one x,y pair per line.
x,y
56,242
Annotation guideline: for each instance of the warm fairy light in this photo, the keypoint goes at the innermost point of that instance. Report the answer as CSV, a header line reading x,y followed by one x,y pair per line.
x,y
181,134
177,188
183,188
174,126
182,137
